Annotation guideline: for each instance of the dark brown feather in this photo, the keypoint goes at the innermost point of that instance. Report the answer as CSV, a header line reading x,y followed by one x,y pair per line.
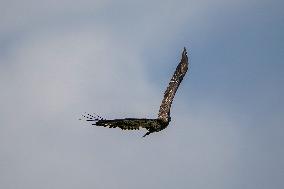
x,y
164,112
128,123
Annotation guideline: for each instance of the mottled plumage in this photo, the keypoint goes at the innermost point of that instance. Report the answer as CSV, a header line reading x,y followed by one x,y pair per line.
x,y
152,125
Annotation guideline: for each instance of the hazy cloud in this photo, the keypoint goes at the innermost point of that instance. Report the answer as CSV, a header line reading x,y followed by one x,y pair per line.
x,y
60,59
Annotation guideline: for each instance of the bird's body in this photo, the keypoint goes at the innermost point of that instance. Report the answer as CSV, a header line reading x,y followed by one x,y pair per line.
x,y
152,125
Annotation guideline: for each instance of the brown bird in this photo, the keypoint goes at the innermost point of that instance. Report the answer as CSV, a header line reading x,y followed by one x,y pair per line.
x,y
152,125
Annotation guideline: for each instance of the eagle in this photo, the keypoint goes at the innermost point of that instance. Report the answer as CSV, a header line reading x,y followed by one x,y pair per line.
x,y
152,125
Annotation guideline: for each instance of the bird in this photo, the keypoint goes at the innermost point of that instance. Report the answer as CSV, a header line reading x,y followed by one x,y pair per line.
x,y
164,116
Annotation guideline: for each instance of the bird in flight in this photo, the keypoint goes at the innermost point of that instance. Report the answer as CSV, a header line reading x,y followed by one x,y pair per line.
x,y
152,125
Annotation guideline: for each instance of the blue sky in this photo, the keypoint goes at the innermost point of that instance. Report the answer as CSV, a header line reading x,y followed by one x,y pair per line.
x,y
59,59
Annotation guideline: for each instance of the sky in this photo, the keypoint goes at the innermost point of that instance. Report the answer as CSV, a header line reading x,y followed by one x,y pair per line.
x,y
59,59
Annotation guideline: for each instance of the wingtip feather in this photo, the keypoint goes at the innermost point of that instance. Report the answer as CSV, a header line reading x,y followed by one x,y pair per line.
x,y
90,117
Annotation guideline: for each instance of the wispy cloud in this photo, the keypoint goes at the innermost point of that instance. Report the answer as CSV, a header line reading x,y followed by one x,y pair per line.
x,y
59,59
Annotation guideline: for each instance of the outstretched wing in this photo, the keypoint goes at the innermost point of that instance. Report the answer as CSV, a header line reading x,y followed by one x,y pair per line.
x,y
127,123
164,112
124,124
